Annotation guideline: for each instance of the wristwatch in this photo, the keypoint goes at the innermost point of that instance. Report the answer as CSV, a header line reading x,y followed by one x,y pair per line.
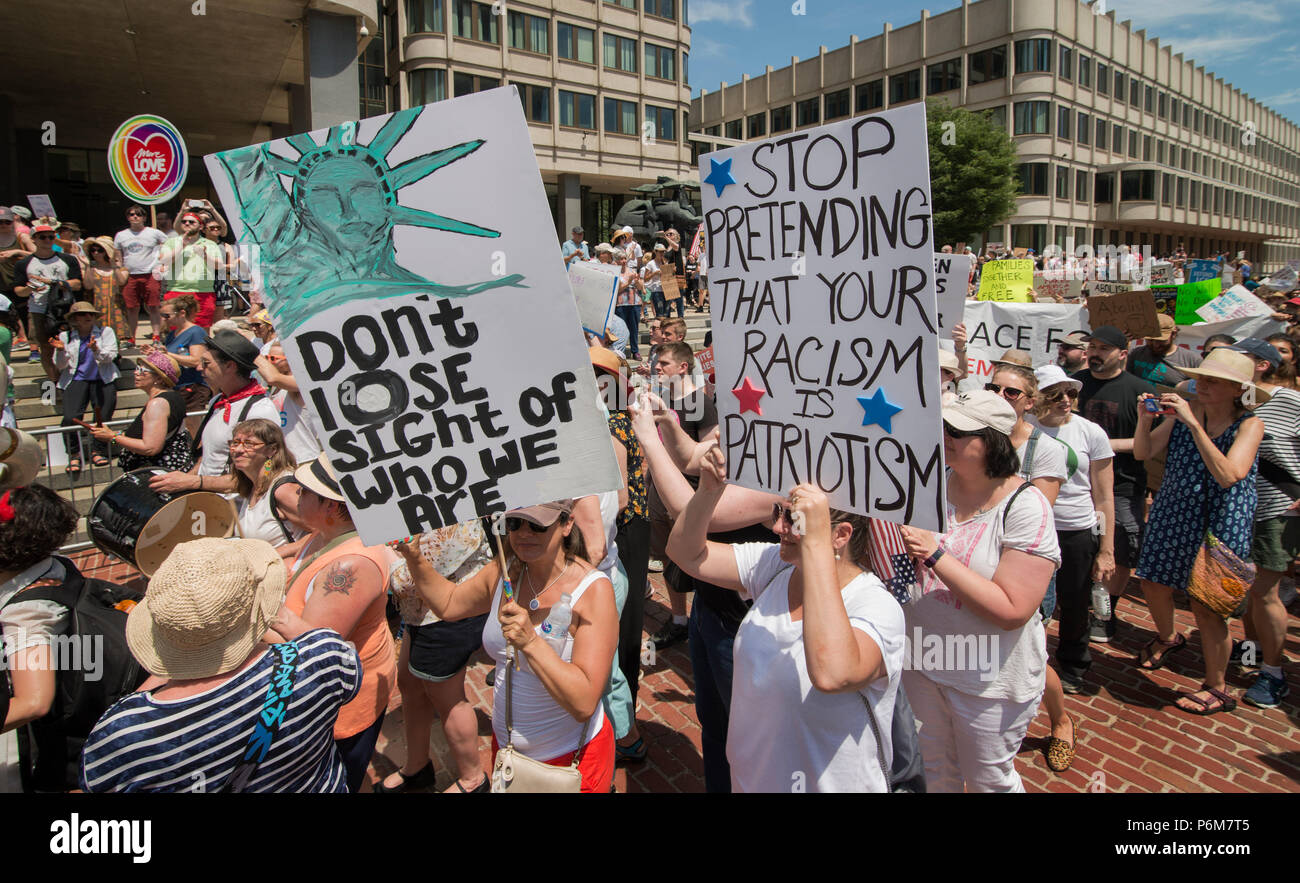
x,y
934,557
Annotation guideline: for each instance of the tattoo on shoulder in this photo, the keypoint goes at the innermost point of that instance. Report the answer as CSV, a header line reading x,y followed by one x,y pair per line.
x,y
338,578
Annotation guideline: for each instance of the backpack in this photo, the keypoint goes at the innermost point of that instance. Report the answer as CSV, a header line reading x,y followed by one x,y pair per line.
x,y
98,621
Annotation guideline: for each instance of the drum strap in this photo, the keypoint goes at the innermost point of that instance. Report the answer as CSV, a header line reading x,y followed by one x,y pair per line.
x,y
212,407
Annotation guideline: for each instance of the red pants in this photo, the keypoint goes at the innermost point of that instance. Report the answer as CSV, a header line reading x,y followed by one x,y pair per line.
x,y
207,305
597,764
141,290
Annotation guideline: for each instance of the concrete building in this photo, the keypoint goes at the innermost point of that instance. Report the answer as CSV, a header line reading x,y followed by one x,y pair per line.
x,y
1121,139
603,84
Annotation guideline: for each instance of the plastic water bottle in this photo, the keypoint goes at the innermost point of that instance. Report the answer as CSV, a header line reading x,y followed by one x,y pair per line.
x,y
1100,602
556,627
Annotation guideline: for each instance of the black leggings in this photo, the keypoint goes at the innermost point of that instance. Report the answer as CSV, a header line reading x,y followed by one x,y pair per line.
x,y
76,397
1073,598
634,551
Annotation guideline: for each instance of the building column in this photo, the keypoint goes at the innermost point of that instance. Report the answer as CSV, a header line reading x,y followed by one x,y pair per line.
x,y
569,205
332,92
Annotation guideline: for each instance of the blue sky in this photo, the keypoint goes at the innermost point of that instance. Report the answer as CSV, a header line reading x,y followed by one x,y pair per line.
x,y
1252,44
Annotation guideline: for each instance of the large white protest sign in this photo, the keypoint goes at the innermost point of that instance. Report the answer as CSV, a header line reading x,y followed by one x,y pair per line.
x,y
951,280
594,285
993,327
424,315
1235,303
825,334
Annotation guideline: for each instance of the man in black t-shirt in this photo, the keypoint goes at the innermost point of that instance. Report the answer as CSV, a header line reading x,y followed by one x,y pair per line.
x,y
1109,399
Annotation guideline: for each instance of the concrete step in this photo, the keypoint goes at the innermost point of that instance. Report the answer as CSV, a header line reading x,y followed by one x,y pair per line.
x,y
128,401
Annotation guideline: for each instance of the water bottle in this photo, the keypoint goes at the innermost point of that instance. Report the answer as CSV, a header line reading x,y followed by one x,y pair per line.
x,y
556,627
1100,602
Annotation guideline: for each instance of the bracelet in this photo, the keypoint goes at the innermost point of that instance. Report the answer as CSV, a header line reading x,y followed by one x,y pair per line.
x,y
934,557
200,482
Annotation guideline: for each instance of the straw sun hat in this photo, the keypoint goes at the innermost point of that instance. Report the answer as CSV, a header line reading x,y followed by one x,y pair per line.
x,y
1225,364
207,607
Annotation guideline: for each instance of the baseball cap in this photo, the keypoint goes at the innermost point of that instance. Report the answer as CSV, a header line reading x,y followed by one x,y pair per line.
x,y
980,409
6,214
1074,338
545,514
42,228
1051,375
1167,327
1109,335
1260,349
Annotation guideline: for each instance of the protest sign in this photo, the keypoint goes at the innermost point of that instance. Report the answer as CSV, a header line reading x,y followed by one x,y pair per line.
x,y
704,358
1133,312
1200,270
1105,288
1007,280
825,328
1191,297
1057,284
426,320
992,328
594,285
1162,273
951,279
1235,303
41,205
1166,299
668,278
148,159
1284,279
1193,337
1020,252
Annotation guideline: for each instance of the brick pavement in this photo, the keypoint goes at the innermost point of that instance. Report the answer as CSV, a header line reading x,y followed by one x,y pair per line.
x,y
1131,738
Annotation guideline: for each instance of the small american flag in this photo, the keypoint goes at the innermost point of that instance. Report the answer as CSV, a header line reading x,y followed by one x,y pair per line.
x,y
890,561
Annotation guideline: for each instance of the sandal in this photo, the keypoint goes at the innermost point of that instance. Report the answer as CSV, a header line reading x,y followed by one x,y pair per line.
x,y
1226,702
634,753
98,460
74,466
483,787
1147,659
423,779
1060,754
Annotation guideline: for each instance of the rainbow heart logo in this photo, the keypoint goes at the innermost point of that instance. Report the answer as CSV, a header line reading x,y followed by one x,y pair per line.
x,y
148,159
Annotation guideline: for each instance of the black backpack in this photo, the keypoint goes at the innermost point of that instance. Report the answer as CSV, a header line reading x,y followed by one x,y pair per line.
x,y
99,627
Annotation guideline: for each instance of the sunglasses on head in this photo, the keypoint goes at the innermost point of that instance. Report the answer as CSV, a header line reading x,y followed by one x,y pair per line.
x,y
514,524
1009,391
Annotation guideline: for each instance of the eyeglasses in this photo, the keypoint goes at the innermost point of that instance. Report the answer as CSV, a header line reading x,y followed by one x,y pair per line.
x,y
1057,394
514,524
954,433
246,444
43,236
1008,391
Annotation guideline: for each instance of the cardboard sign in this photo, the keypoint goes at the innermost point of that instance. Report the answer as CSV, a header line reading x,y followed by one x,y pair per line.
x,y
1235,303
1107,288
1133,312
594,285
1191,297
951,279
1007,281
1200,270
426,320
1162,273
704,358
831,374
1057,284
41,205
1020,252
668,278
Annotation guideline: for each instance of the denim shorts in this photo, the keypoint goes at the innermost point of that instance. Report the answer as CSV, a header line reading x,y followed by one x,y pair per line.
x,y
1048,607
441,649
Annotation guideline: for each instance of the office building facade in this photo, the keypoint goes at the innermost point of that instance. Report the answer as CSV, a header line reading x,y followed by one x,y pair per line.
x,y
1121,139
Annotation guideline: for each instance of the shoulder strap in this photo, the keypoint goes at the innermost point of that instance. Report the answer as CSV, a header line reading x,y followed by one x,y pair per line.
x,y
880,746
268,722
1027,467
248,404
198,434
1011,502
275,510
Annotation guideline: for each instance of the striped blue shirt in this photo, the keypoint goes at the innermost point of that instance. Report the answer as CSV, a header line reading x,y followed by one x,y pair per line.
x,y
195,744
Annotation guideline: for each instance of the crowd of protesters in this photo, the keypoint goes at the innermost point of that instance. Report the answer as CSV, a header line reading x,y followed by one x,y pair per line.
x,y
267,663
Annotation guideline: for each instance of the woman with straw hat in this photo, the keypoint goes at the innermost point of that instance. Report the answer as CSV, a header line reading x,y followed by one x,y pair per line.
x,y
157,436
201,723
86,357
1209,489
105,281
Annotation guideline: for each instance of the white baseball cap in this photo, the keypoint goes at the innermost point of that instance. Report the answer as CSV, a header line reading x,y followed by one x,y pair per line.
x,y
980,409
1051,375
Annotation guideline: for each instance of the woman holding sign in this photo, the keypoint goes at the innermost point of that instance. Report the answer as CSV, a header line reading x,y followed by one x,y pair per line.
x,y
557,676
984,580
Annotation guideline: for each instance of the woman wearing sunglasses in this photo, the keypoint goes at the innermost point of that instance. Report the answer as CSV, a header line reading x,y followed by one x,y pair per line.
x,y
817,658
157,436
983,580
556,708
105,283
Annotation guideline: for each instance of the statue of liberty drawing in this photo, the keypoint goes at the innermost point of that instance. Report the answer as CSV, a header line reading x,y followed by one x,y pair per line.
x,y
327,237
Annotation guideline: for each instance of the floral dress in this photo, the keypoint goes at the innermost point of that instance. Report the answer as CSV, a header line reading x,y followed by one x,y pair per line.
x,y
620,427
106,294
457,552
1190,502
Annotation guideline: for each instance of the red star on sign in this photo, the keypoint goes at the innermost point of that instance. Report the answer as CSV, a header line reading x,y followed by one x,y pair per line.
x,y
749,394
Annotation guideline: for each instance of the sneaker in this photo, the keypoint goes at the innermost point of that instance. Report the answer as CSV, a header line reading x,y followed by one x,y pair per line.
x,y
672,633
1101,631
1267,691
1072,686
34,356
656,566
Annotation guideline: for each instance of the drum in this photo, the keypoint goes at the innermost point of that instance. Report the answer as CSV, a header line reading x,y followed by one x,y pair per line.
x,y
141,526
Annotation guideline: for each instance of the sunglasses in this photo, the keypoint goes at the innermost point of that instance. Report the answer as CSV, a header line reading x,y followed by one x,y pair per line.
x,y
514,524
781,513
1009,391
1058,394
954,433
135,214
42,236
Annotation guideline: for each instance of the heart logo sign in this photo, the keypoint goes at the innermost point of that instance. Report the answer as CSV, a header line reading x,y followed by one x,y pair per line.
x,y
148,160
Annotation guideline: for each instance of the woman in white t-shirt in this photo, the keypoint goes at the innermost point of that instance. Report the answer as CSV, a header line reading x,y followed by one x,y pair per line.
x,y
818,656
1041,462
980,586
258,457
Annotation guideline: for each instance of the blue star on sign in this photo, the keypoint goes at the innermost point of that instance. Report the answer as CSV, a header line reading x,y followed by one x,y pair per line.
x,y
877,409
720,176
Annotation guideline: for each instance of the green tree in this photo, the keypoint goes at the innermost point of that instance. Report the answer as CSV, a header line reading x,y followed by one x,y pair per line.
x,y
973,173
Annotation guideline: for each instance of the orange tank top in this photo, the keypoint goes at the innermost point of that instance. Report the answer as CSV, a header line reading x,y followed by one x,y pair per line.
x,y
371,636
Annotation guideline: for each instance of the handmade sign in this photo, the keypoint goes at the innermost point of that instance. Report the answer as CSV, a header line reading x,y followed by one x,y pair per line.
x,y
1162,273
147,159
951,279
1284,279
704,358
1020,252
594,285
1007,281
1133,312
1166,300
1200,270
423,313
1058,283
825,329
992,328
41,205
1235,303
1191,297
668,278
1106,288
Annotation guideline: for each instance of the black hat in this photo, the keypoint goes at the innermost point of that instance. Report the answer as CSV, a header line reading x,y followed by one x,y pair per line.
x,y
235,346
1260,349
1109,335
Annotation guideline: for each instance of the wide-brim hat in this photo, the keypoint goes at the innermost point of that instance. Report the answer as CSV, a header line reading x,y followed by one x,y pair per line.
x,y
1015,357
1226,364
607,360
103,242
206,608
620,232
82,306
21,458
319,477
948,360
544,514
235,346
1167,327
163,366
980,409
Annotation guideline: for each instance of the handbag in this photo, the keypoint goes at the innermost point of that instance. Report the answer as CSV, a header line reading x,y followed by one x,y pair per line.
x,y
1219,578
514,773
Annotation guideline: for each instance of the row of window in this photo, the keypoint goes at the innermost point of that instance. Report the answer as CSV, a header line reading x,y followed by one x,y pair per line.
x,y
476,21
426,16
574,109
1035,236
1143,185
